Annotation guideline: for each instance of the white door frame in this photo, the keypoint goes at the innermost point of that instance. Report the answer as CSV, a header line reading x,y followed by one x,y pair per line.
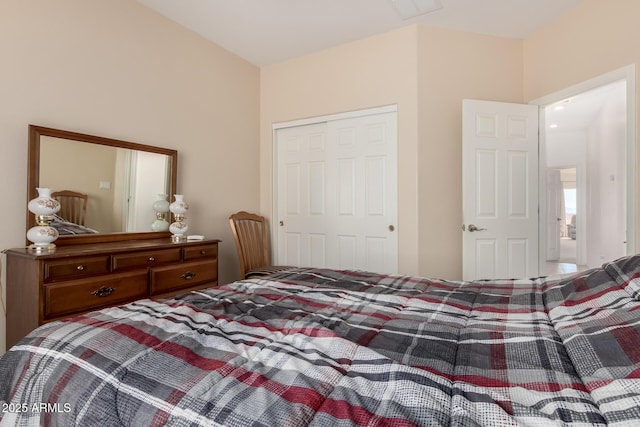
x,y
628,74
303,122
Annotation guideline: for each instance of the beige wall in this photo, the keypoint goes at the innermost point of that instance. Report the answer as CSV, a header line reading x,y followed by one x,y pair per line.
x,y
452,66
373,72
594,39
426,72
116,69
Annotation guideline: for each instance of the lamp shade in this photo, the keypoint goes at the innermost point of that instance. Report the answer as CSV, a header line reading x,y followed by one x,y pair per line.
x,y
44,204
162,204
179,206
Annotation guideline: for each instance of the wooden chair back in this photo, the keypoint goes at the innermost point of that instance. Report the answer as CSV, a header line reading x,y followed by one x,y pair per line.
x,y
73,205
250,233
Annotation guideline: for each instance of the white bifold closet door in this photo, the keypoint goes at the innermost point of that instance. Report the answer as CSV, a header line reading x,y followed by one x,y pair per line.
x,y
336,194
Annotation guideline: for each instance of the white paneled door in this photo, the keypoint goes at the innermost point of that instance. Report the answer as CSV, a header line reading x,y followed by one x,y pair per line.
x,y
336,201
500,190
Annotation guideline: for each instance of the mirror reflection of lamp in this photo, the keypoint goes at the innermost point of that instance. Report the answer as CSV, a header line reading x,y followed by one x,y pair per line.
x,y
178,228
161,208
43,234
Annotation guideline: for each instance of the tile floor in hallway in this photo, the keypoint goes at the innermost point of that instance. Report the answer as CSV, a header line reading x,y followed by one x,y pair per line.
x,y
567,261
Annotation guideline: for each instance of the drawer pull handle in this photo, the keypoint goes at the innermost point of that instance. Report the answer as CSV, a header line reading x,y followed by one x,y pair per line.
x,y
80,267
151,259
188,275
203,252
103,292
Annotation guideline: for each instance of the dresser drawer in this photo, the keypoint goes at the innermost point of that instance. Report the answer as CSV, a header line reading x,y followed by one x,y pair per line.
x,y
145,259
68,268
201,251
85,294
174,277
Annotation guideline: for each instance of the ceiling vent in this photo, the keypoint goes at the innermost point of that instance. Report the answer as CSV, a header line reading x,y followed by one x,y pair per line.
x,y
411,8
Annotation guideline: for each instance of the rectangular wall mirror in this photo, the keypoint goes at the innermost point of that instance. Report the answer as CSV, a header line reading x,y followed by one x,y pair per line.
x,y
121,180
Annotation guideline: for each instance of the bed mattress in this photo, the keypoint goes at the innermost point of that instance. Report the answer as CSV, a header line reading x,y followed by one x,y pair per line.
x,y
325,347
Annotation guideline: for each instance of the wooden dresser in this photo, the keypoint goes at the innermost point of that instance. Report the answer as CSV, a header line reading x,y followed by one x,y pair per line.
x,y
79,278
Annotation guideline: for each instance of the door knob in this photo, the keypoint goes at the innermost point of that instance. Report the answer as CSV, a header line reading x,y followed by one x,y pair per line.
x,y
473,228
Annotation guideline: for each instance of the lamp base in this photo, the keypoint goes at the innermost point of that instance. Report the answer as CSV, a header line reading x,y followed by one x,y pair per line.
x,y
178,238
41,248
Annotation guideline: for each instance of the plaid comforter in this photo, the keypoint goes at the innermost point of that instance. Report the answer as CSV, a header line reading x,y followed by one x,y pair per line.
x,y
343,348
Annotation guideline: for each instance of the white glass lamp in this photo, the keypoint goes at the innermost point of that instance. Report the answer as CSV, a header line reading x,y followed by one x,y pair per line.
x,y
43,207
178,228
161,207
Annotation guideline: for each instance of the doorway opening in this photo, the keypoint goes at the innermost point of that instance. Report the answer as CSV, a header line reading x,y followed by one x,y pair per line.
x,y
562,241
586,162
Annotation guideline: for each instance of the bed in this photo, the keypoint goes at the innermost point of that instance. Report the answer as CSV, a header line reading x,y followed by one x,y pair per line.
x,y
343,348
68,228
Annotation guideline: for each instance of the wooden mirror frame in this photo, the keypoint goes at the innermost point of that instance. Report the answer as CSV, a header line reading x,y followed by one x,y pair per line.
x,y
33,180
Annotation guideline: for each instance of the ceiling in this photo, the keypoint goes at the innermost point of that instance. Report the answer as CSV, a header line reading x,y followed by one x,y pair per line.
x,y
579,112
265,32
